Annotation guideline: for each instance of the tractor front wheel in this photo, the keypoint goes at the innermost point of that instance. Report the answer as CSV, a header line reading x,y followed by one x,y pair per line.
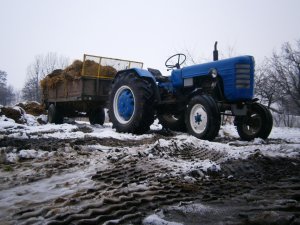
x,y
257,124
131,104
202,117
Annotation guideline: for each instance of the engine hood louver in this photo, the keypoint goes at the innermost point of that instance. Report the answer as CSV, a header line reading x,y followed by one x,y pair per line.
x,y
243,76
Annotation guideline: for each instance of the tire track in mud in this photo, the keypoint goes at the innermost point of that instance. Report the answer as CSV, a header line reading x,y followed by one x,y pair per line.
x,y
52,144
257,190
188,152
127,191
134,186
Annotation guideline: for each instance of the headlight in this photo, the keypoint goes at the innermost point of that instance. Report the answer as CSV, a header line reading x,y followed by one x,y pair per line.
x,y
213,73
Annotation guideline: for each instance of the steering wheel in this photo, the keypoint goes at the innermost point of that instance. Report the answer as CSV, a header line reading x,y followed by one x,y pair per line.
x,y
172,63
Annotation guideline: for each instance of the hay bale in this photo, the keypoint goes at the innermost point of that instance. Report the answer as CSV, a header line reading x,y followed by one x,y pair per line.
x,y
69,73
91,68
107,71
33,108
74,71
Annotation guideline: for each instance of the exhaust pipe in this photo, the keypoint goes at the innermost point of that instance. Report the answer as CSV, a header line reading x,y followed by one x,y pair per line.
x,y
216,53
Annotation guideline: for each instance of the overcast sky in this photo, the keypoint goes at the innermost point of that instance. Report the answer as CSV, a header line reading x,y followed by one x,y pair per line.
x,y
141,30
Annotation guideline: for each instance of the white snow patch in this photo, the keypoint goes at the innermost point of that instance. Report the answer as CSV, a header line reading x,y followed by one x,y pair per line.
x,y
6,122
196,208
156,220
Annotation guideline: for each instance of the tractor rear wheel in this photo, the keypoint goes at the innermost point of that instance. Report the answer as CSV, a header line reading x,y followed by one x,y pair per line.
x,y
131,104
55,115
172,122
257,124
202,117
96,116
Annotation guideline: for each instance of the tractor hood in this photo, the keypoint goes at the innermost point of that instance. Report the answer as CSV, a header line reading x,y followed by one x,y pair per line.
x,y
236,73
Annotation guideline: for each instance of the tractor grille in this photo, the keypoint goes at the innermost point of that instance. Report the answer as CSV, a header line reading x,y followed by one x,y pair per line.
x,y
243,76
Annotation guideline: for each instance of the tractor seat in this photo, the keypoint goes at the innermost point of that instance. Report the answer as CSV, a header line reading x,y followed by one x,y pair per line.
x,y
158,76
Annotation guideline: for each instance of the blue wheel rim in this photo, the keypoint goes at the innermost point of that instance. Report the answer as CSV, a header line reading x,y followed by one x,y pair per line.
x,y
124,104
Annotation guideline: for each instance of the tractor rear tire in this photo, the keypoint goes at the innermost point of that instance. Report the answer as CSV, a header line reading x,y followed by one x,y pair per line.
x,y
202,118
131,104
172,122
55,115
97,116
257,124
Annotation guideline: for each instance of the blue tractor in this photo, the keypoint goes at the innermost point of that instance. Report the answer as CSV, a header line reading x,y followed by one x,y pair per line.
x,y
192,99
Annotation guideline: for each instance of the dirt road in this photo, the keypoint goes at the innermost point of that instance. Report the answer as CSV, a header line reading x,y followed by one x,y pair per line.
x,y
155,180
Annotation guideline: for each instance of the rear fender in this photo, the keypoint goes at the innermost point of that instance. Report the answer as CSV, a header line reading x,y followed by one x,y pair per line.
x,y
137,71
144,74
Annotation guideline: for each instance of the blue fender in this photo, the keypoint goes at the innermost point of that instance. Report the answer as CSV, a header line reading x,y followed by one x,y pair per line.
x,y
145,74
138,71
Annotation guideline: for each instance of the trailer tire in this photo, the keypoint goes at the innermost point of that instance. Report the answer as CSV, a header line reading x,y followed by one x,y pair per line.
x,y
55,115
257,124
131,104
96,116
202,117
172,122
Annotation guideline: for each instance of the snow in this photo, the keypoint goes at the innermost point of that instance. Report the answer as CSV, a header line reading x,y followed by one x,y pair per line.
x,y
283,142
184,208
156,220
288,145
233,149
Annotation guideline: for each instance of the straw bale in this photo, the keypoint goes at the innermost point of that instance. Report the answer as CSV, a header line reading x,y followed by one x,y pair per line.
x,y
107,71
74,71
33,108
91,68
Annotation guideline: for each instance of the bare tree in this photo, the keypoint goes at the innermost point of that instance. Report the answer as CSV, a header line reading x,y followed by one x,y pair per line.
x,y
34,75
278,83
7,92
3,77
30,91
52,61
267,87
192,57
286,66
37,70
10,95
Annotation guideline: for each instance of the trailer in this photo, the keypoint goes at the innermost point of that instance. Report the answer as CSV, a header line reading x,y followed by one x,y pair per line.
x,y
84,95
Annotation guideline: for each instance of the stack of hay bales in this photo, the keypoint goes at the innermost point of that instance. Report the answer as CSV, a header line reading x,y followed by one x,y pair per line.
x,y
74,71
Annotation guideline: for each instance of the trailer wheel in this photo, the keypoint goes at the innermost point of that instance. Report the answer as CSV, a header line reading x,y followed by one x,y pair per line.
x,y
54,115
172,122
97,116
202,117
131,104
257,124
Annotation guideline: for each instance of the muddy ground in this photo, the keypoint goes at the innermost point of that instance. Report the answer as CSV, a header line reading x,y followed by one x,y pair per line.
x,y
121,186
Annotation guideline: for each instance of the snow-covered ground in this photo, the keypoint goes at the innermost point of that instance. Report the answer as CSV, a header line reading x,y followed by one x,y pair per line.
x,y
32,174
282,141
